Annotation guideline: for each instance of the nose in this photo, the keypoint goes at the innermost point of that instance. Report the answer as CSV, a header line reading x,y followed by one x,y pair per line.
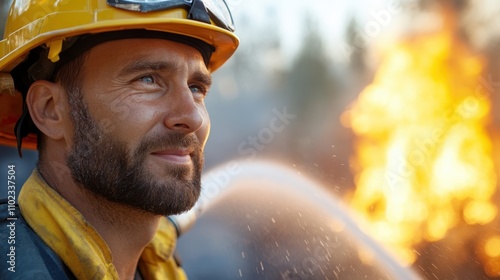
x,y
184,114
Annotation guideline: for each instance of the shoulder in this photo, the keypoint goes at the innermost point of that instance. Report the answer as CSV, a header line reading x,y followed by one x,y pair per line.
x,y
26,255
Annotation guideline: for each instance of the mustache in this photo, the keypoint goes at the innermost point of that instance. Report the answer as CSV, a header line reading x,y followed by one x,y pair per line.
x,y
169,141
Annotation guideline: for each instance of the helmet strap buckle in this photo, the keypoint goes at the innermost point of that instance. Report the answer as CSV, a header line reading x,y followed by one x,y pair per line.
x,y
55,48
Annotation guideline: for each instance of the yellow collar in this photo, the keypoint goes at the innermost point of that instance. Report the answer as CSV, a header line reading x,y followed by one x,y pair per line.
x,y
78,244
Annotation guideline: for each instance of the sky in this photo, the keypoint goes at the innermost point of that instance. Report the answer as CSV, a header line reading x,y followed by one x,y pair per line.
x,y
330,16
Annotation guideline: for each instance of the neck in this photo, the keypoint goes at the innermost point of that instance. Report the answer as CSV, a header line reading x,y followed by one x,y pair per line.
x,y
126,231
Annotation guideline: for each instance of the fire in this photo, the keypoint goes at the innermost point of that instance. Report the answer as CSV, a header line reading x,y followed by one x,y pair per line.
x,y
423,161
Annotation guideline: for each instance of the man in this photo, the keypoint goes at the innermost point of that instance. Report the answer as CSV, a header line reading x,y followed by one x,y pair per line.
x,y
114,92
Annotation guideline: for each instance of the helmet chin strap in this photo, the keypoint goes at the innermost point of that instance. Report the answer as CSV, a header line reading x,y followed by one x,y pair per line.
x,y
21,130
55,48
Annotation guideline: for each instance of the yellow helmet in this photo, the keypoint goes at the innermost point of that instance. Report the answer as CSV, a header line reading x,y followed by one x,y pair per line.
x,y
51,24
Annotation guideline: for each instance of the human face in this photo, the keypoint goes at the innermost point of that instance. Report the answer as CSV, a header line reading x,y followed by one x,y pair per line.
x,y
140,124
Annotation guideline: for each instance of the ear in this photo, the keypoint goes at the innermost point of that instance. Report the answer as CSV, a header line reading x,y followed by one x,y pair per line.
x,y
47,105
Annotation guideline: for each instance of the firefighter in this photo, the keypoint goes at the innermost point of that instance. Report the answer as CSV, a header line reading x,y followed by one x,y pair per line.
x,y
111,93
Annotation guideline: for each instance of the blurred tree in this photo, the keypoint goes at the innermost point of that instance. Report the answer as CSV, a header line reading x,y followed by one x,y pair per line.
x,y
309,92
357,54
309,77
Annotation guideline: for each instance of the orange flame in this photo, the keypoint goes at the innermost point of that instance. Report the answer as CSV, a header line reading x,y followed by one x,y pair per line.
x,y
423,159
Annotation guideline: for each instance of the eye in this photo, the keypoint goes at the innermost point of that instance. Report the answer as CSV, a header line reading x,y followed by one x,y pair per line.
x,y
197,89
147,79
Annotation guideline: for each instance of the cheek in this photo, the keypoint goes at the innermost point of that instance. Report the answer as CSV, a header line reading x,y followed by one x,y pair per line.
x,y
134,123
204,131
125,121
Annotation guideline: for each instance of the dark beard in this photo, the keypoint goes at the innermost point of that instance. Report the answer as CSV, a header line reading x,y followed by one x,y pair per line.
x,y
102,165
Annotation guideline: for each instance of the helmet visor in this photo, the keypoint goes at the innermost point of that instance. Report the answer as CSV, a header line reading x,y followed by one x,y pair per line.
x,y
216,10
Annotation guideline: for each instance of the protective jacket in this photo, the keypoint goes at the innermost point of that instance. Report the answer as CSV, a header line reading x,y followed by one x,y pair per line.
x,y
47,238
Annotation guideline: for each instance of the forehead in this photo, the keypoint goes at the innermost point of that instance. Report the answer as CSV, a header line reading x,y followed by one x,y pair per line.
x,y
118,53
